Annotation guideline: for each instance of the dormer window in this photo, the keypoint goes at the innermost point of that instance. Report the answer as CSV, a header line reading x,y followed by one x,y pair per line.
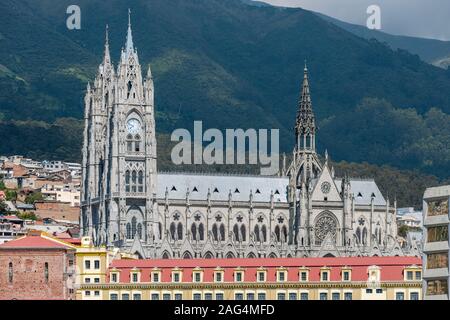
x,y
373,195
257,191
237,191
195,189
173,188
216,190
359,195
277,192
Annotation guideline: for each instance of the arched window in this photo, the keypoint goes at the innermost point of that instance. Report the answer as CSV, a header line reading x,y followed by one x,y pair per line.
x,y
236,232
284,234
129,88
129,143
201,232
160,230
257,237
277,233
133,227
222,232
166,255
243,233
46,271
215,232
10,272
128,230
137,143
172,230
264,233
180,231
187,255
208,255
358,235
127,181
364,236
194,231
141,181
133,181
139,230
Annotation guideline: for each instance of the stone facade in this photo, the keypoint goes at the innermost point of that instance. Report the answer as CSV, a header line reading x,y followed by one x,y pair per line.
x,y
305,211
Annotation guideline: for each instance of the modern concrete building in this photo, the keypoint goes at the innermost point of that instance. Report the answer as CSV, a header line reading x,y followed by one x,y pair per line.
x,y
436,243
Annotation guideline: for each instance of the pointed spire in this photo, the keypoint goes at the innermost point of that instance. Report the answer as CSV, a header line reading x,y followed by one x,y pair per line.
x,y
107,58
129,47
305,122
149,73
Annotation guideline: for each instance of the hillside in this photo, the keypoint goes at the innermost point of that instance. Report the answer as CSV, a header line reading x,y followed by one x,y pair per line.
x,y
223,62
429,50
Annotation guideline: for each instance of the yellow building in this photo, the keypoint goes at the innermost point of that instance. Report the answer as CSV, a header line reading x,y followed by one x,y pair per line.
x,y
92,265
354,278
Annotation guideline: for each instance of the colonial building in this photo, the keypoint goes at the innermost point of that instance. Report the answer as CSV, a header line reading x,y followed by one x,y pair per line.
x,y
349,278
37,267
307,211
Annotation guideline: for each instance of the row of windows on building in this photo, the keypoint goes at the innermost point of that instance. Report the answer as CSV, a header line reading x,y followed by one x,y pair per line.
x,y
133,143
134,181
197,232
261,276
261,295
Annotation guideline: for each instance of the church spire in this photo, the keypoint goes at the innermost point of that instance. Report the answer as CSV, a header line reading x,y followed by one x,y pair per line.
x,y
107,58
305,127
129,47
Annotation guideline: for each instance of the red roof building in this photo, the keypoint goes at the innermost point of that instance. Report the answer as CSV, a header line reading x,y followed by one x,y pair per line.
x,y
37,267
350,278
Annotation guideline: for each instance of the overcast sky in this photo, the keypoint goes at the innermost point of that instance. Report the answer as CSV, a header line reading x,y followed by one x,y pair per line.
x,y
421,18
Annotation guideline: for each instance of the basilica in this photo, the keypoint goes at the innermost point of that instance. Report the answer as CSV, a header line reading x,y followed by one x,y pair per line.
x,y
305,211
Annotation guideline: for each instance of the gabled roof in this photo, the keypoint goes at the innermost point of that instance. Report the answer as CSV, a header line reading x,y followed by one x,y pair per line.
x,y
40,241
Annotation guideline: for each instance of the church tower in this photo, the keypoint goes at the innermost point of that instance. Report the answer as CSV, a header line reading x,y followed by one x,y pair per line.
x,y
119,153
304,168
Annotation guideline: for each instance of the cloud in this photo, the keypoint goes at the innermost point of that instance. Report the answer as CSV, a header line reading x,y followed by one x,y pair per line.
x,y
428,19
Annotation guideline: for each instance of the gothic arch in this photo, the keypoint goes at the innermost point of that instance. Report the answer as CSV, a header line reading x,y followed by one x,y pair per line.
x,y
166,255
230,255
208,255
251,255
187,255
135,113
135,223
218,226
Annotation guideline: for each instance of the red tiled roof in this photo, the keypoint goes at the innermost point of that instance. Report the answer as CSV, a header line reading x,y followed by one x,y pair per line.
x,y
391,267
266,262
36,242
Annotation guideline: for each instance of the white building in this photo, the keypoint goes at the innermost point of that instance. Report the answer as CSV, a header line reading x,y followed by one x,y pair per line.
x,y
62,193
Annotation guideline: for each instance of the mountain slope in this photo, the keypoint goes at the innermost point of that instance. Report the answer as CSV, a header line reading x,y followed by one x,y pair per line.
x,y
430,50
221,61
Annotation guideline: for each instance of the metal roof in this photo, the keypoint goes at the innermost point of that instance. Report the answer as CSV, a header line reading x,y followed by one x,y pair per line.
x,y
240,186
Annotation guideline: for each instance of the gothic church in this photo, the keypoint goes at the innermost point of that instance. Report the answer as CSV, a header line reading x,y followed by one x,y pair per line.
x,y
305,211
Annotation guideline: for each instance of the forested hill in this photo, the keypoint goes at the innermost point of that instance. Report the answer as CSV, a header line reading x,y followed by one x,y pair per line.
x,y
228,64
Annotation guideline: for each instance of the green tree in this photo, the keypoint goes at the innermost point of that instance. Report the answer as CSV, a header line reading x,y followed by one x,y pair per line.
x,y
403,231
33,197
27,215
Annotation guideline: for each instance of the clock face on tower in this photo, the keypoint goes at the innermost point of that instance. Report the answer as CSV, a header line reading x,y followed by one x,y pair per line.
x,y
133,126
